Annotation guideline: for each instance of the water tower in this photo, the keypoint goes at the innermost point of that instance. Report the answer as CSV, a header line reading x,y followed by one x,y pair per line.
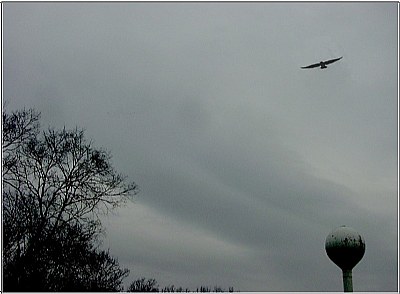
x,y
345,247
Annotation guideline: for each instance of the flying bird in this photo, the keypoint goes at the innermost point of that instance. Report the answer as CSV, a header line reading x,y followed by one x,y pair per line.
x,y
322,64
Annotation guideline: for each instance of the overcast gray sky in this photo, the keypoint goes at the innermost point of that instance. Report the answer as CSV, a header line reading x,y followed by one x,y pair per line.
x,y
244,161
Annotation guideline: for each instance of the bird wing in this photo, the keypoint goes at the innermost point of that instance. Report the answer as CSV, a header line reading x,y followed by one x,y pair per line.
x,y
332,60
312,65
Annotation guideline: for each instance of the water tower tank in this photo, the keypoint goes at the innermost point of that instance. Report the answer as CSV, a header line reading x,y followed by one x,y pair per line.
x,y
345,247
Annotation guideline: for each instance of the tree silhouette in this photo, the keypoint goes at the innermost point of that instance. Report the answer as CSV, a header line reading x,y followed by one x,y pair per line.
x,y
150,285
143,285
55,187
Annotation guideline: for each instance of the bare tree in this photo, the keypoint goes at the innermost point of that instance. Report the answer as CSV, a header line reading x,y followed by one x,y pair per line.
x,y
143,285
53,181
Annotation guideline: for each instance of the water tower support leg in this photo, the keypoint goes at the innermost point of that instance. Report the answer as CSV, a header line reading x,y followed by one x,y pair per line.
x,y
347,281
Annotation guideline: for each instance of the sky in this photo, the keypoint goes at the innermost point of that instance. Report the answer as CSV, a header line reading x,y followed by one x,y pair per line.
x,y
245,162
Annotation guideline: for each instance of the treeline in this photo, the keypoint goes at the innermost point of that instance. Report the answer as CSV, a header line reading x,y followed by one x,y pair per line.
x,y
151,285
56,185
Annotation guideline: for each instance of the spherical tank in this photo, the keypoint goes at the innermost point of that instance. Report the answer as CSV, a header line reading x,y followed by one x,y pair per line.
x,y
345,247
